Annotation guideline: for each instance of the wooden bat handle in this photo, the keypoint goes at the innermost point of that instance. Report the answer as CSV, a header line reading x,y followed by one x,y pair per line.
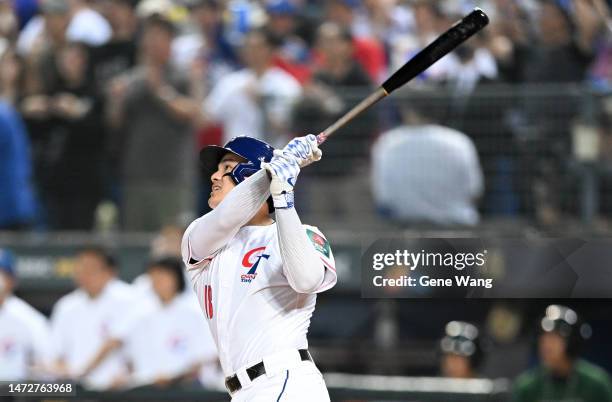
x,y
351,114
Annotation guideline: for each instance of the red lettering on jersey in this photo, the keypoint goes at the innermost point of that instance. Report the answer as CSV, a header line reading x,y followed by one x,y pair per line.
x,y
246,260
208,306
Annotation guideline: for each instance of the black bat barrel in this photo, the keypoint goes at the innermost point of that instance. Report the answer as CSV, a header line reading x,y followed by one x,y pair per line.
x,y
456,35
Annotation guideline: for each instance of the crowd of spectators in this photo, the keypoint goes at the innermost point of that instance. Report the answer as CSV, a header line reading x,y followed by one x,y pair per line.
x,y
111,99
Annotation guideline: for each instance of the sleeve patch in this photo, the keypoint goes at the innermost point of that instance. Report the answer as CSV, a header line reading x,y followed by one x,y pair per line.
x,y
319,242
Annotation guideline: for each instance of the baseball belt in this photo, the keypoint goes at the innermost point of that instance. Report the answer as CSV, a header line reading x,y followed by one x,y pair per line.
x,y
232,383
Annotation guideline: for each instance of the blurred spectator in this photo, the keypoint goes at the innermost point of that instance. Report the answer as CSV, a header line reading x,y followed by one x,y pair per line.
x,y
562,374
12,75
8,22
107,62
386,20
154,112
37,44
167,344
24,332
64,20
83,320
206,52
25,10
87,25
473,65
423,172
119,53
258,100
560,54
336,86
565,44
461,350
208,44
293,54
367,50
429,23
510,39
17,205
66,124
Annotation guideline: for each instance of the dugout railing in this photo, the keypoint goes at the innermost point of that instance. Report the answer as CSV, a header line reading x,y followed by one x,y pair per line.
x,y
342,387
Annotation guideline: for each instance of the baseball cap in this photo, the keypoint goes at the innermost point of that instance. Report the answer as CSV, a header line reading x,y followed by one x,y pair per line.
x,y
7,262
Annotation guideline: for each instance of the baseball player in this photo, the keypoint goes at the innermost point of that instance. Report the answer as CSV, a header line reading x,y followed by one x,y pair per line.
x,y
257,277
162,342
24,331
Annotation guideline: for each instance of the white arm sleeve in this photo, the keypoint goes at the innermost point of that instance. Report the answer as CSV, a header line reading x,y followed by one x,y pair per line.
x,y
212,231
301,262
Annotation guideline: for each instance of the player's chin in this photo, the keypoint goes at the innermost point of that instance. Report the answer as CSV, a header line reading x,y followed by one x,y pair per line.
x,y
215,199
213,202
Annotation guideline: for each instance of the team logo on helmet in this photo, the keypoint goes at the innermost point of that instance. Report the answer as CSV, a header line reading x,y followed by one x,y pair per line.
x,y
251,260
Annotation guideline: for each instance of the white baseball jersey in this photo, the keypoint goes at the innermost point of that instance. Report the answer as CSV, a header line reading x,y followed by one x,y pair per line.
x,y
39,327
20,343
81,325
250,306
167,340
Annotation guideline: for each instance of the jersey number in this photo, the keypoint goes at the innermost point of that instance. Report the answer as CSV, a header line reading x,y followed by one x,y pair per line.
x,y
208,306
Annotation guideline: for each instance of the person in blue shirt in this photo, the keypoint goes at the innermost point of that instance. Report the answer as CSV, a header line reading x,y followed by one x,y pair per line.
x,y
17,205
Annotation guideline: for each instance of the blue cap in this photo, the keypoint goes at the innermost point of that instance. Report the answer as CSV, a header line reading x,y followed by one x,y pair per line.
x,y
7,262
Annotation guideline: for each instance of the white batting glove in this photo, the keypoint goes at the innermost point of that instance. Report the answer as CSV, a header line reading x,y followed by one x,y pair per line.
x,y
284,169
304,149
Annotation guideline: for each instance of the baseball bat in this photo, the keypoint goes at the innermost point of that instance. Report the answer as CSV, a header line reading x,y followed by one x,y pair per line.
x,y
444,44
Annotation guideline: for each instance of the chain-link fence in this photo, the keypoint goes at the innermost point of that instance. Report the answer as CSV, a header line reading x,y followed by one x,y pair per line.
x,y
544,152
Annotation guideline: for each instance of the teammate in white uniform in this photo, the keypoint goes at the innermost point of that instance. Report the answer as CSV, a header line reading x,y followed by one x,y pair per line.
x,y
257,278
24,331
84,319
168,342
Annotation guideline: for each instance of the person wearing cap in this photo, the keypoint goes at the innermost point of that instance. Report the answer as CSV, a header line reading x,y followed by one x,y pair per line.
x,y
24,331
84,319
461,352
562,375
167,343
258,275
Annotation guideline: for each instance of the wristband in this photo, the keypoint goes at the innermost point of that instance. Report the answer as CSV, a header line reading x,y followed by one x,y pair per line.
x,y
283,200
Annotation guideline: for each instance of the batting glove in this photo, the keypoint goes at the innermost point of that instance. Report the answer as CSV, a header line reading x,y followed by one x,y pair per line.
x,y
304,149
284,169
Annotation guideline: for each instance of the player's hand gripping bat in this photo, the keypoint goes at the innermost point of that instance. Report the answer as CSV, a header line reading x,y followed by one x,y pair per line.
x,y
444,44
